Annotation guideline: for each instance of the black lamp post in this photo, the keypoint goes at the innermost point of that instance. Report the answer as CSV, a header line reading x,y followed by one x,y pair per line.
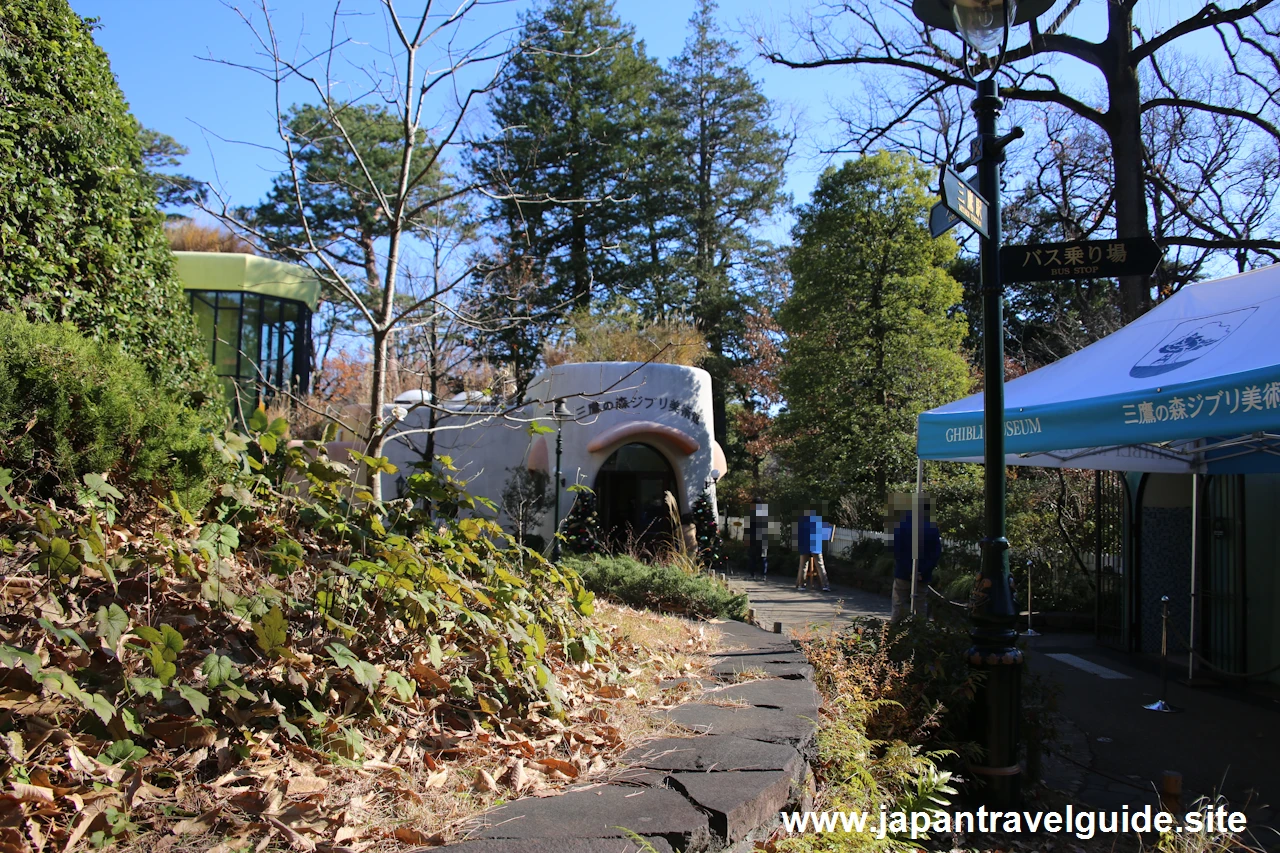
x,y
984,25
561,414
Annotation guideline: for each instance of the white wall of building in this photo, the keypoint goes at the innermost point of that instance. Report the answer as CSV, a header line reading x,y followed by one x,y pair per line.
x,y
612,404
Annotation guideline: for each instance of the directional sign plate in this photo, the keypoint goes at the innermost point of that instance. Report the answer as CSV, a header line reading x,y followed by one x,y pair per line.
x,y
941,220
964,201
1081,259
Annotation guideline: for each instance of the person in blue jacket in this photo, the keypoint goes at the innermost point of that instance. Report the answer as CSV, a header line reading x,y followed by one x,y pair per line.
x,y
810,534
930,553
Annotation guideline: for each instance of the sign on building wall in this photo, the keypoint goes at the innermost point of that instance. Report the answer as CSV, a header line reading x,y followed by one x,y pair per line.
x,y
639,406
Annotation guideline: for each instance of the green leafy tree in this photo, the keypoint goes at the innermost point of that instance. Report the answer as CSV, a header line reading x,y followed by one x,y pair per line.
x,y
873,337
160,154
729,181
573,117
81,239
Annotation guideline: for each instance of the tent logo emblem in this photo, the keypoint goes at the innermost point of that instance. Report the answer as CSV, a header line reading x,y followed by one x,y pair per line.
x,y
1188,341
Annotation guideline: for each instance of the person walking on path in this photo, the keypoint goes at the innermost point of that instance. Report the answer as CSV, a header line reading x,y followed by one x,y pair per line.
x,y
930,553
758,538
810,533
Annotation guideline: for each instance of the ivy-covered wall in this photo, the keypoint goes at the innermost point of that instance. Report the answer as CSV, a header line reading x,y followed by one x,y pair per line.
x,y
81,239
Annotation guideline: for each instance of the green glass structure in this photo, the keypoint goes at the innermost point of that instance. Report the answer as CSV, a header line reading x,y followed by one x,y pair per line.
x,y
255,317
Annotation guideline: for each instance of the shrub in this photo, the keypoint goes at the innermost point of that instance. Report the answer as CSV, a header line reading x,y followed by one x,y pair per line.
x,y
81,239
659,587
897,701
70,406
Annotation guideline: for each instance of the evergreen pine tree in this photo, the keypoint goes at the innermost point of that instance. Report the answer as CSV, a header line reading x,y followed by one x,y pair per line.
x,y
707,531
572,113
730,181
582,526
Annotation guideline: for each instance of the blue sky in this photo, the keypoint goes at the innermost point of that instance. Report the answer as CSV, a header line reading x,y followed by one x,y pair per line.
x,y
226,115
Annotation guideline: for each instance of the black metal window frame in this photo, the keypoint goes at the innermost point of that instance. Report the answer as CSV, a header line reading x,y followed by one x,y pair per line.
x,y
298,373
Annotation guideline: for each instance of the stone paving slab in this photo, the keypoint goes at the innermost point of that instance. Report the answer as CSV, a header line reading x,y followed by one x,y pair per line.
x,y
732,666
607,811
554,845
686,794
797,697
737,801
715,753
761,656
764,724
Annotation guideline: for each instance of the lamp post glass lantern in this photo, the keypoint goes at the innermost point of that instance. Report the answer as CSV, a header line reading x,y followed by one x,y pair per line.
x,y
984,26
561,414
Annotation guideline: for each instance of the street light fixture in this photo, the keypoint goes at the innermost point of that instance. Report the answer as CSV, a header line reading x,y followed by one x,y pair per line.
x,y
981,23
561,414
984,25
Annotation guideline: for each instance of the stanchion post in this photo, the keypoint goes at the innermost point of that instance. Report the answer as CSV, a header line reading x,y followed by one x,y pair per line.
x,y
1163,704
1031,632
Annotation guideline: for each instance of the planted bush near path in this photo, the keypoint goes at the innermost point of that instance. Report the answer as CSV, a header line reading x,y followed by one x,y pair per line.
x,y
71,406
663,587
896,703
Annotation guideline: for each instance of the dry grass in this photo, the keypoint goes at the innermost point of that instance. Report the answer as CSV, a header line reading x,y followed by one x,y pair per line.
x,y
386,803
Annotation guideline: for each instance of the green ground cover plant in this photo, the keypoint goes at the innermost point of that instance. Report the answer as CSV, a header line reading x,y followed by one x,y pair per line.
x,y
292,627
665,587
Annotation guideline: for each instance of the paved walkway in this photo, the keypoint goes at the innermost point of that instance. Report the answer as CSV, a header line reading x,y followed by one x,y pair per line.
x,y
1224,741
1110,751
776,599
744,760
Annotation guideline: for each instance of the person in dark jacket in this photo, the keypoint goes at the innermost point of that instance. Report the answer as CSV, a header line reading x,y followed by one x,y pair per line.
x,y
930,553
758,538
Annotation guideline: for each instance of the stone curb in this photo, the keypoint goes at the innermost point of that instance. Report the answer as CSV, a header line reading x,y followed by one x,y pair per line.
x,y
719,790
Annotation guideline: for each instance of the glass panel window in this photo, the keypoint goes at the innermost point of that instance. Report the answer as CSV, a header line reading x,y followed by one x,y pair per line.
x,y
288,335
270,363
250,336
203,310
227,346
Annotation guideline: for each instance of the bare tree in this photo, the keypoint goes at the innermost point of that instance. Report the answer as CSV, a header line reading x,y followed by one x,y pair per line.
x,y
391,135
1186,190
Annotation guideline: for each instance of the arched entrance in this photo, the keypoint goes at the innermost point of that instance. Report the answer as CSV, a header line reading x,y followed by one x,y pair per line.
x,y
630,490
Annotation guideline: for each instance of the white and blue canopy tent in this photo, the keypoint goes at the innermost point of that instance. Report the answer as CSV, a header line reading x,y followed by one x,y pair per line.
x,y
1191,387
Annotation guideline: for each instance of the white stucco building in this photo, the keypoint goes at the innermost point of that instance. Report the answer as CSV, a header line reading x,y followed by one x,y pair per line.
x,y
636,431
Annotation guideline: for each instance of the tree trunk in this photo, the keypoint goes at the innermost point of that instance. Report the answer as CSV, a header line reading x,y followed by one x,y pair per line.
x,y
377,395
1124,118
433,388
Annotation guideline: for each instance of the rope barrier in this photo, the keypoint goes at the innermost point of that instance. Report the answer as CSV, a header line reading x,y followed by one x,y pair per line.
x,y
1149,788
963,604
1186,647
1094,770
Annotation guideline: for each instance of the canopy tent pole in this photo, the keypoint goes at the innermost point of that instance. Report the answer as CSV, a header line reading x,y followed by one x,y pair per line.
x,y
1195,559
915,532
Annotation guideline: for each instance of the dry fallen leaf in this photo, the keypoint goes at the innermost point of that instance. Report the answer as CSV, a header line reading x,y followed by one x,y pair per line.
x,y
296,840
409,835
197,825
300,786
556,765
32,793
484,781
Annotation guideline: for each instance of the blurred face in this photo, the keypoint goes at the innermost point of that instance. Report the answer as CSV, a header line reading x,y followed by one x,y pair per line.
x,y
762,509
